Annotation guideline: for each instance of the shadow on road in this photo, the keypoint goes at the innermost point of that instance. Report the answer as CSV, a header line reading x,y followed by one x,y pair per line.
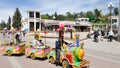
x,y
16,55
41,59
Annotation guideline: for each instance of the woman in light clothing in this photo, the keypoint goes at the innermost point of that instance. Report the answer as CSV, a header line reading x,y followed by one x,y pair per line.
x,y
111,35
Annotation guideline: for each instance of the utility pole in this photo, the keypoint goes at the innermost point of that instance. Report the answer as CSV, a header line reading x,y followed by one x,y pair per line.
x,y
119,24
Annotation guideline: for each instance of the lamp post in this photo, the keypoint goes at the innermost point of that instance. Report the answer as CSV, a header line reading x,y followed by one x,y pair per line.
x,y
110,8
119,24
54,17
54,20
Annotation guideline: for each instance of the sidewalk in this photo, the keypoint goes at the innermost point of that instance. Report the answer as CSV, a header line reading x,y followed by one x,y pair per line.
x,y
66,35
109,47
104,46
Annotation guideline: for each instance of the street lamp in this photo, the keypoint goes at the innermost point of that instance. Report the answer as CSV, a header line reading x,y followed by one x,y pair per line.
x,y
54,17
78,15
119,24
54,21
110,8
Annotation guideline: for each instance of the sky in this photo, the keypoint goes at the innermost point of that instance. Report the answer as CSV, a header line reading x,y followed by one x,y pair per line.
x,y
8,7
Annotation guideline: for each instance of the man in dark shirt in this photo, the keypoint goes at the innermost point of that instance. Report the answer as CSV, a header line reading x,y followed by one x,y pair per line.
x,y
17,38
96,34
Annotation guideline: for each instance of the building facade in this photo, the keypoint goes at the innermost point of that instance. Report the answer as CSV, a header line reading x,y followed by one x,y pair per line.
x,y
82,24
115,22
33,20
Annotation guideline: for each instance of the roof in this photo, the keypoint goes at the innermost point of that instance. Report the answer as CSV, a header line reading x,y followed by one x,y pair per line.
x,y
48,22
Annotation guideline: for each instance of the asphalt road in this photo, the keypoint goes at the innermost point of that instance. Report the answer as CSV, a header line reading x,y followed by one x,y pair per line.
x,y
98,58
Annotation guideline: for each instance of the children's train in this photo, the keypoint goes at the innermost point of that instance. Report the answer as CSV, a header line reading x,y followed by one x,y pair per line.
x,y
67,54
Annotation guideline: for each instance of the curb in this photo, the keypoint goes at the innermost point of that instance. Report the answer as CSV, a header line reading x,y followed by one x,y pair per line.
x,y
65,38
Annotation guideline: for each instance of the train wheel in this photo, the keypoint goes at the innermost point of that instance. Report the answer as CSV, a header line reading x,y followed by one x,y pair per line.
x,y
65,64
9,53
32,56
51,59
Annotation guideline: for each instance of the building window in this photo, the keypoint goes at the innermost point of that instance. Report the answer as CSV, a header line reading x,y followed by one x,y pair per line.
x,y
82,19
31,14
37,15
86,20
114,20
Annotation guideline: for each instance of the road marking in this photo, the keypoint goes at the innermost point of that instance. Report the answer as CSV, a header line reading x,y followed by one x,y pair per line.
x,y
14,62
113,56
114,61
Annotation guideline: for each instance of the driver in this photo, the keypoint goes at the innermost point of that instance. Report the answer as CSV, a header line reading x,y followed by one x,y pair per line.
x,y
17,37
37,42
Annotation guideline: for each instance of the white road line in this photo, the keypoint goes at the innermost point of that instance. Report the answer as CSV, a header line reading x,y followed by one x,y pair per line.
x,y
114,61
14,62
113,56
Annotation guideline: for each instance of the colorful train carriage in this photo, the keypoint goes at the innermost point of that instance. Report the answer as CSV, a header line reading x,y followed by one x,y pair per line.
x,y
40,52
11,48
69,54
37,51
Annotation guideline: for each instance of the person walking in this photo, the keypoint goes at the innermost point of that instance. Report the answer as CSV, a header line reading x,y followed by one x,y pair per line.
x,y
23,33
111,35
102,34
96,34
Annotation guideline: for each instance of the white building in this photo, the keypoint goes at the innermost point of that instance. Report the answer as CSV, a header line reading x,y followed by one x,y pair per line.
x,y
114,22
82,24
33,20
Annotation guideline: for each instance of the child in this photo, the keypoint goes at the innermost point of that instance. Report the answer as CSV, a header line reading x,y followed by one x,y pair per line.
x,y
81,45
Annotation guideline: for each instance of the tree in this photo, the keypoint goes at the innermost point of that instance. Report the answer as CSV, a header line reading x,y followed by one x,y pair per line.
x,y
82,14
61,17
8,23
97,15
45,16
116,11
69,16
17,19
90,15
2,25
56,16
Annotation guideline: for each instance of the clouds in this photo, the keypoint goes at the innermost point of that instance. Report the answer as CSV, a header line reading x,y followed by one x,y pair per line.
x,y
7,7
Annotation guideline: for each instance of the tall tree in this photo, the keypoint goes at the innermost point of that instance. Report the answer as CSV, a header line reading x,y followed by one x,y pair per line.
x,y
56,16
17,19
8,23
2,25
97,13
116,11
97,16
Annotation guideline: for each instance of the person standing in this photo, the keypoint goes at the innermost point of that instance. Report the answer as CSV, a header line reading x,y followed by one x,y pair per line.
x,y
17,38
96,34
111,35
57,49
102,34
24,33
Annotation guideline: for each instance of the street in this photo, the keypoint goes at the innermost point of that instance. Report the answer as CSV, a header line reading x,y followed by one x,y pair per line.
x,y
101,55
